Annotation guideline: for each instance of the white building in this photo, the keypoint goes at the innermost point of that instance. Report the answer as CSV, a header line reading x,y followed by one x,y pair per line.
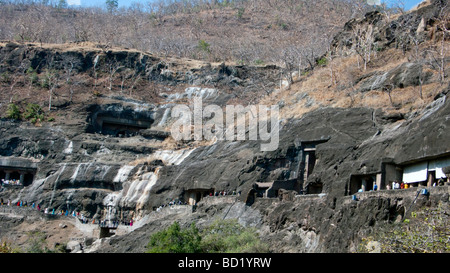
x,y
425,171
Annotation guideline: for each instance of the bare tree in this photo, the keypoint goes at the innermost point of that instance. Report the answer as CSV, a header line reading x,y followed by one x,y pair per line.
x,y
130,75
388,89
169,27
68,69
363,42
417,54
290,59
443,23
436,53
94,68
397,6
113,67
51,81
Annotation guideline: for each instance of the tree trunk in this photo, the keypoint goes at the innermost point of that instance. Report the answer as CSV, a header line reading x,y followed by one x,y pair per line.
x,y
50,99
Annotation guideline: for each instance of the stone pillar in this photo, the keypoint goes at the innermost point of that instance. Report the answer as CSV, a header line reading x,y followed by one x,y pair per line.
x,y
305,173
8,175
378,181
363,184
430,179
22,178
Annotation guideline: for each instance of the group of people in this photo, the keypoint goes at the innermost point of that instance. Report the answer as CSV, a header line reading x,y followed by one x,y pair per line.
x,y
115,223
83,219
396,185
13,182
402,185
19,203
171,203
224,193
110,224
102,223
22,203
179,202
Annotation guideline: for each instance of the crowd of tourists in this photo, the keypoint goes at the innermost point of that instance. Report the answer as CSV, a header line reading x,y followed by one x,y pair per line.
x,y
224,193
395,185
110,224
13,182
80,216
171,203
180,202
402,185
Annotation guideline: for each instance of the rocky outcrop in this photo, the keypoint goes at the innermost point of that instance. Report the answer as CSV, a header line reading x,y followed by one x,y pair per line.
x,y
391,33
89,172
405,75
233,81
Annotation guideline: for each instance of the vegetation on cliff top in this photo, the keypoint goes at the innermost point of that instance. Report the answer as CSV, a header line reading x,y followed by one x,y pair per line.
x,y
300,36
243,31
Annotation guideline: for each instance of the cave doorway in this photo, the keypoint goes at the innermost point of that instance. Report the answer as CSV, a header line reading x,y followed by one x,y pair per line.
x,y
361,183
17,177
120,130
118,120
251,197
309,161
193,196
14,176
314,188
17,171
28,179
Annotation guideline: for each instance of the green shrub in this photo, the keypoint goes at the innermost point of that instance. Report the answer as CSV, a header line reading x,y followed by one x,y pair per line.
x,y
175,240
4,77
49,80
13,112
112,5
223,236
323,61
34,113
241,62
240,13
33,76
259,62
45,82
6,248
228,236
204,46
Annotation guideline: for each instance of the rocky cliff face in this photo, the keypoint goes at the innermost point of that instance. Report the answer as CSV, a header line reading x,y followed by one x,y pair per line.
x,y
112,151
89,174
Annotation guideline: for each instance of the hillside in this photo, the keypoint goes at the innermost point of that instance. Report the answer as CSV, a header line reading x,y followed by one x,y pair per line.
x,y
244,32
86,126
403,71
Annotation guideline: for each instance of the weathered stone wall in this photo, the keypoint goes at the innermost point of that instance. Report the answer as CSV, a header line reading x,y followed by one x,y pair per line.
x,y
314,223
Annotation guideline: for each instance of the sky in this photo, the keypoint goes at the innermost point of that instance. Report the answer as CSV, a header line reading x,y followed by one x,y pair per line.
x,y
124,3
